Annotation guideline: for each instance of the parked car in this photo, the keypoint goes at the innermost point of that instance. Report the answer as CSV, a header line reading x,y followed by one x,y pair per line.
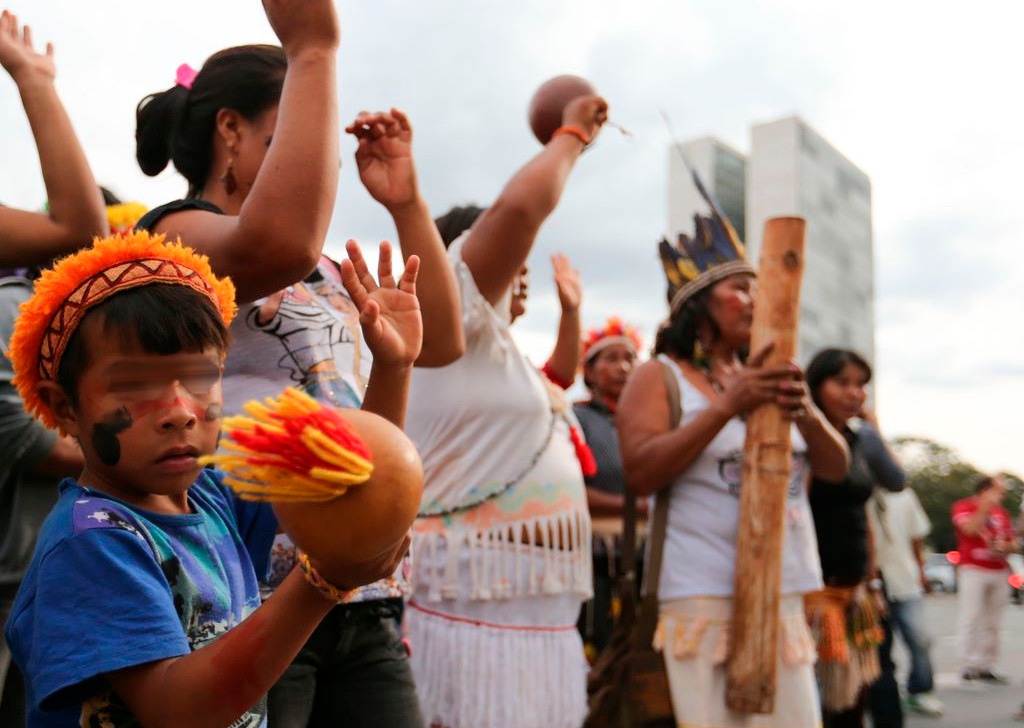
x,y
940,571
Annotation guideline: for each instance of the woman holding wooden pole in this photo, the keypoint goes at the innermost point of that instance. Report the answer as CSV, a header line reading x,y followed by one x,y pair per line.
x,y
696,464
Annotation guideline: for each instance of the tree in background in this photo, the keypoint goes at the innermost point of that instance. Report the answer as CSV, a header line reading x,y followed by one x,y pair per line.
x,y
941,477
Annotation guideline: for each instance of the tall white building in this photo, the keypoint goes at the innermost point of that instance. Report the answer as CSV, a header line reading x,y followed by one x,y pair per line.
x,y
792,170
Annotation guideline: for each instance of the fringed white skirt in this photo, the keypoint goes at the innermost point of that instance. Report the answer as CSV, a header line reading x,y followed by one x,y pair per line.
x,y
508,663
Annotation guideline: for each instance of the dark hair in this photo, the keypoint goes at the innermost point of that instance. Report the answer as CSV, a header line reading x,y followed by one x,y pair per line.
x,y
456,221
178,124
680,334
109,198
984,483
587,364
160,318
827,363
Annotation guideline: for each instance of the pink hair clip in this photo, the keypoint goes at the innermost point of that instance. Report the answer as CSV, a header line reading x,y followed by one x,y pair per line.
x,y
186,75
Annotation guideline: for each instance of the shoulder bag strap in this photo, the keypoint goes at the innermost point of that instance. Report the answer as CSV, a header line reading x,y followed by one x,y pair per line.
x,y
648,619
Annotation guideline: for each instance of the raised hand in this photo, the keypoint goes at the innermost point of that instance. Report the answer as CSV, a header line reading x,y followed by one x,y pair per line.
x,y
567,281
389,312
303,25
586,112
384,157
17,54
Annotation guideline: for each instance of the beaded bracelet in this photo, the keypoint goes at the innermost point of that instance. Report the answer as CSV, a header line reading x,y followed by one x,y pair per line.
x,y
323,586
574,131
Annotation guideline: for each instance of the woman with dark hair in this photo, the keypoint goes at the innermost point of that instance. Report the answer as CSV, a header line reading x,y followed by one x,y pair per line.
x,y
255,134
502,544
609,357
694,466
845,616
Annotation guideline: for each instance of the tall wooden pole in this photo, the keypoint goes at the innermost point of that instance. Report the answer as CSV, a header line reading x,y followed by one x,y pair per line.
x,y
767,464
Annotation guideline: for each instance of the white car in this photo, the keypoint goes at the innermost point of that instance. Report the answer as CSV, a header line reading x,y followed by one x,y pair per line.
x,y
940,571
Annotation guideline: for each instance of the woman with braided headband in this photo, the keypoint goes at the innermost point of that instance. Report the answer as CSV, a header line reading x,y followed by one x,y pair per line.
x,y
696,464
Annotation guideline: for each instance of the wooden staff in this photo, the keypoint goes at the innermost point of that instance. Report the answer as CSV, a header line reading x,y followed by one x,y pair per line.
x,y
767,463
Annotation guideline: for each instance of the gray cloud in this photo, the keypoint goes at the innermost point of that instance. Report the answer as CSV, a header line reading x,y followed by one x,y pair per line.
x,y
934,122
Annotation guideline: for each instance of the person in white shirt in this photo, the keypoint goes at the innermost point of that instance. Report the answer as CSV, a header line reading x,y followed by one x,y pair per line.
x,y
899,525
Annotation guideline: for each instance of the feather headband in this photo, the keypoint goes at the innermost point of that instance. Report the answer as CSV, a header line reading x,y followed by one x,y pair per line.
x,y
614,332
714,252
65,293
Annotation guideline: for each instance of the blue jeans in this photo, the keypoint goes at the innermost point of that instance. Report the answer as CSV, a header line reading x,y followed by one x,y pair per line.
x,y
353,671
908,622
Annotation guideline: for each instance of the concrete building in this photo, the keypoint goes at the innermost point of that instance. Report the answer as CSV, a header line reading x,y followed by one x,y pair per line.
x,y
792,170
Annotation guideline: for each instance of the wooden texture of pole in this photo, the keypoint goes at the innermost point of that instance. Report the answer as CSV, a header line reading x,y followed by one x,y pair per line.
x,y
767,465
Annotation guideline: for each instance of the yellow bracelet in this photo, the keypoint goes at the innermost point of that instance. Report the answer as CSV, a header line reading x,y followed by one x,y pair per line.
x,y
323,586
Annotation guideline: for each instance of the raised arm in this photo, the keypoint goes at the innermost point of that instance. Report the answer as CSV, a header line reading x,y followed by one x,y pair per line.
x,y
389,314
504,234
76,213
388,172
275,237
973,524
564,360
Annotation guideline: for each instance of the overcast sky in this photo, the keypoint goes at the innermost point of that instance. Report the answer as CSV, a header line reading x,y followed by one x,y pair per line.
x,y
923,96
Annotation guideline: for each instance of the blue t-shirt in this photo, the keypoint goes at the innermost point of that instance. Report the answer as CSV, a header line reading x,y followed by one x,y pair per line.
x,y
111,586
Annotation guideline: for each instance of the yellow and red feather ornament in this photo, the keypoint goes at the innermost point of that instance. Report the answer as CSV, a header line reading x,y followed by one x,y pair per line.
x,y
291,449
615,331
123,216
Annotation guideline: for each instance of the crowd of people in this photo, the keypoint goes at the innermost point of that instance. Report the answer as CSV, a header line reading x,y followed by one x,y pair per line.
x,y
152,594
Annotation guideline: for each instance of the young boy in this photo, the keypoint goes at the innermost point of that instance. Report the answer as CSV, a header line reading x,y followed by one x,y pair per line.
x,y
147,557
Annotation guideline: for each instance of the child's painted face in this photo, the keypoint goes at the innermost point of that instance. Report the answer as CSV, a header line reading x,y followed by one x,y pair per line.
x,y
143,419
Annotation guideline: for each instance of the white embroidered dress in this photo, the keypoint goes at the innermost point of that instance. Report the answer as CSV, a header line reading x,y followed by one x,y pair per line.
x,y
502,549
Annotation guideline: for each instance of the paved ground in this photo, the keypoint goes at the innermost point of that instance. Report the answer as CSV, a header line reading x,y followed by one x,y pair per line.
x,y
972,706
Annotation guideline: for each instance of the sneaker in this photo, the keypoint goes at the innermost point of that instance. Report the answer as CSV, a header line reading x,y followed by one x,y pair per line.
x,y
925,704
992,678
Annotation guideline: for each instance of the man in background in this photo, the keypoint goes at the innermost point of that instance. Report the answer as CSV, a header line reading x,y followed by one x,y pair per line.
x,y
985,535
899,526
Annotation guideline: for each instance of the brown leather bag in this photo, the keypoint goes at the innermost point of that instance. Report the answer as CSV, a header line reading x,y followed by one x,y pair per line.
x,y
628,685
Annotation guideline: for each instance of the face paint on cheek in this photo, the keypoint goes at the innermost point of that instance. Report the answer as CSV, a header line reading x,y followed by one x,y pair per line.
x,y
105,432
214,412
